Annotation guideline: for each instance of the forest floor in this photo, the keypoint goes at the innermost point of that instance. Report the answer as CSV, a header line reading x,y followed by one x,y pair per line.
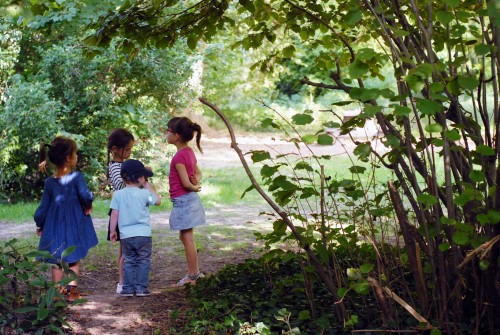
x,y
226,239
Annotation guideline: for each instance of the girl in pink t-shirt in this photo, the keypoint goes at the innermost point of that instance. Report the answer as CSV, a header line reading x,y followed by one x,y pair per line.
x,y
184,181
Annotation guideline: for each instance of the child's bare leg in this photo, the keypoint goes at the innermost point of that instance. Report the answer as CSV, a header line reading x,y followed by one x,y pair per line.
x,y
187,238
75,267
57,274
120,265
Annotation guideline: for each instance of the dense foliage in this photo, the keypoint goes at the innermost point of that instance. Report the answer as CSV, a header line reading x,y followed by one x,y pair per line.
x,y
441,108
29,302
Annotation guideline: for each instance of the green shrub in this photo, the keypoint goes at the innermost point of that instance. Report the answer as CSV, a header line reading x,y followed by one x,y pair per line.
x,y
28,300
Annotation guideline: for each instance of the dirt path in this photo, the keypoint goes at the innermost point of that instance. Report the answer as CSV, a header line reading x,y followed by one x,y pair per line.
x,y
108,313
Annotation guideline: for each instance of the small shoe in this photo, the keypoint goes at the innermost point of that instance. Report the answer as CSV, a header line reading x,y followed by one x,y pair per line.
x,y
126,294
119,288
143,294
187,279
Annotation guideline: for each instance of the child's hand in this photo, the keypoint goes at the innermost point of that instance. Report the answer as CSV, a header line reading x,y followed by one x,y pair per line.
x,y
43,166
113,236
38,232
88,209
193,180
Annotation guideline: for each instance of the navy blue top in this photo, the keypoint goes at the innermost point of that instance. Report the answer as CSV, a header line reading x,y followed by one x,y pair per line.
x,y
61,218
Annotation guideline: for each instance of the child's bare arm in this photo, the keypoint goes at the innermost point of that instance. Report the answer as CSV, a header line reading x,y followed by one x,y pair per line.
x,y
185,179
113,236
151,189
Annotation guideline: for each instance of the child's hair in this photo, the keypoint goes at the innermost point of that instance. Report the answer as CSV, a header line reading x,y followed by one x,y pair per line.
x,y
185,128
60,148
119,138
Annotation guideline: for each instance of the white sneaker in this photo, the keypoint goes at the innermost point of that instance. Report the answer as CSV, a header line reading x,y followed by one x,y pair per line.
x,y
118,288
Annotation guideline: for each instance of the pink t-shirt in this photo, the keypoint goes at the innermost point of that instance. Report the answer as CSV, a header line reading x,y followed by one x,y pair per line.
x,y
184,156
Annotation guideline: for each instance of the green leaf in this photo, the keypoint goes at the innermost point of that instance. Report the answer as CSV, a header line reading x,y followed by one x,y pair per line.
x,y
429,107
260,155
192,42
392,141
484,264
302,165
353,17
468,194
452,135
325,139
366,268
357,69
365,54
477,176
357,169
468,82
402,110
363,150
485,150
434,128
268,171
482,49
304,315
444,246
427,199
362,287
444,17
302,119
288,51
494,216
341,291
68,251
461,238
42,313
353,273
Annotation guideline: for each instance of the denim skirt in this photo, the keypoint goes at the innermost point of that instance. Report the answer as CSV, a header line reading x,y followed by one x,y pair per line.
x,y
187,212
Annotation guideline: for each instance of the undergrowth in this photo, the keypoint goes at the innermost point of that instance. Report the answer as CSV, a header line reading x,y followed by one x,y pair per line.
x,y
262,291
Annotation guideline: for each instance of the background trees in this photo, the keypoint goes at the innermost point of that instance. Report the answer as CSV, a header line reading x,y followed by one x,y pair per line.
x,y
50,86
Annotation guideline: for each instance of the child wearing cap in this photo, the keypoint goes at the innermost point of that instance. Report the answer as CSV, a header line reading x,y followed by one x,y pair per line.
x,y
130,207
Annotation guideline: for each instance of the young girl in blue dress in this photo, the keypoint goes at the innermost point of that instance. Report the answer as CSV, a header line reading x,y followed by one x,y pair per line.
x,y
63,217
184,181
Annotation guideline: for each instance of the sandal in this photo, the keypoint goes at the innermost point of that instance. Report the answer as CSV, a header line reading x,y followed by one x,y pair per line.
x,y
187,279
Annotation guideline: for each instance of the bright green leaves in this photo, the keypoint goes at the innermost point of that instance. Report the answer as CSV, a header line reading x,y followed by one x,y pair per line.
x,y
434,128
353,17
302,119
363,151
367,61
358,68
485,150
468,82
467,195
259,155
427,200
324,139
429,107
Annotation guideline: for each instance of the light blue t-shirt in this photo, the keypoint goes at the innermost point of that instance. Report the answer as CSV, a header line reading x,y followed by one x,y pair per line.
x,y
133,204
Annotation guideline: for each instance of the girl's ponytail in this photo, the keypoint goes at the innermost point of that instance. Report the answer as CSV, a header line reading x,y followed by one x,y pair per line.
x,y
196,127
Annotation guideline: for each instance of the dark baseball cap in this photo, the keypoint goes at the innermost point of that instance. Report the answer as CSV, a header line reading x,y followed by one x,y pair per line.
x,y
134,169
